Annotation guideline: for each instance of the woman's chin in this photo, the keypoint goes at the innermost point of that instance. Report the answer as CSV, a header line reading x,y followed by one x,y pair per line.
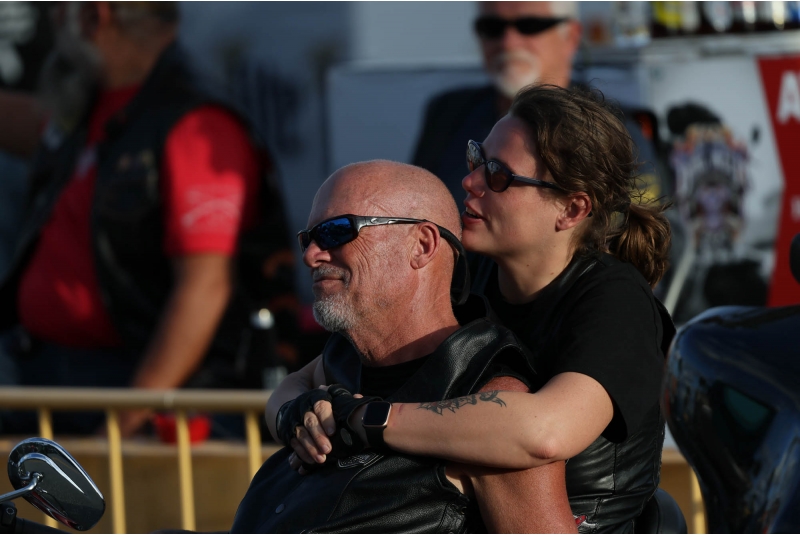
x,y
476,241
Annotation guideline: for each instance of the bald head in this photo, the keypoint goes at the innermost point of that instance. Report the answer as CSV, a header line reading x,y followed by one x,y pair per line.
x,y
384,188
387,271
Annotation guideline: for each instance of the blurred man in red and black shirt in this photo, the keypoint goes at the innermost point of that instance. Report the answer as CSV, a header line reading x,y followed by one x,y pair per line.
x,y
152,210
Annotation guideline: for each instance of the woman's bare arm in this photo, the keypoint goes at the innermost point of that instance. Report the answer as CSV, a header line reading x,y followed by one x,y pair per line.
x,y
505,429
513,430
299,382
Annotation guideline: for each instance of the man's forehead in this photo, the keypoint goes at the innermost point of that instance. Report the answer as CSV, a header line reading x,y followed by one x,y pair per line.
x,y
351,195
516,9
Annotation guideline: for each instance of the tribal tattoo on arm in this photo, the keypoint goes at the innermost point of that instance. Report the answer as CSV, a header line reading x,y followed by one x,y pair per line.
x,y
453,404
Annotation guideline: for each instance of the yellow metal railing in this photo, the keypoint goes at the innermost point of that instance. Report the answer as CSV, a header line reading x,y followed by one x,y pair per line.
x,y
249,402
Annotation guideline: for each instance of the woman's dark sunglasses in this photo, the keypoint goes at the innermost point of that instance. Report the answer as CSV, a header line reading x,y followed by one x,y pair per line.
x,y
498,176
343,229
492,27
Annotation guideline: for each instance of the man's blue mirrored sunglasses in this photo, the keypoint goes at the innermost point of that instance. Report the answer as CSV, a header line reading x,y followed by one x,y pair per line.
x,y
343,229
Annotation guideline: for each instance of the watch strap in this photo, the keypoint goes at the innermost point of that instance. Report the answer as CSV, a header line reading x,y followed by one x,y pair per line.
x,y
374,433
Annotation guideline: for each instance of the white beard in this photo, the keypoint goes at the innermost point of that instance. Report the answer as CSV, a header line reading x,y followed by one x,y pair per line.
x,y
511,71
334,312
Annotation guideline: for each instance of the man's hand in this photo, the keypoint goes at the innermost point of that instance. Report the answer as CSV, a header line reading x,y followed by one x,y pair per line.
x,y
131,421
298,427
312,441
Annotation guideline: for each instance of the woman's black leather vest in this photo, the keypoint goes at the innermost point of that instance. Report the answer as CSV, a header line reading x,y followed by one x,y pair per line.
x,y
382,493
608,483
134,275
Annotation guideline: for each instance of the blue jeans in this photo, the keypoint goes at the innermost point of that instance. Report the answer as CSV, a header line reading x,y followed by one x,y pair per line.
x,y
25,361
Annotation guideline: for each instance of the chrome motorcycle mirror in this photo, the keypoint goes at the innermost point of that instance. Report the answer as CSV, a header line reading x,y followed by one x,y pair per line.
x,y
52,481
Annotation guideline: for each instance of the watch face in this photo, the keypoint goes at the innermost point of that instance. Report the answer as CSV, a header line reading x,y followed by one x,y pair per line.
x,y
377,414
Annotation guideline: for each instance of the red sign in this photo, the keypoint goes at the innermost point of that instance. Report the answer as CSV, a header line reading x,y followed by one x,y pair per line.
x,y
781,79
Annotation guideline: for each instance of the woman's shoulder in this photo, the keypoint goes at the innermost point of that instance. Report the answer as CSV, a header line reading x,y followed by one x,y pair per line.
x,y
612,278
614,294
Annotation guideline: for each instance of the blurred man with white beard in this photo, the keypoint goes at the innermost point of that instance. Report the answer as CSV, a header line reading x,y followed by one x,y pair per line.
x,y
521,43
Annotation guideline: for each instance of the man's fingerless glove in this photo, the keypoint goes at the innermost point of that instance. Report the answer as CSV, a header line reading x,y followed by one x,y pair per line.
x,y
291,414
346,441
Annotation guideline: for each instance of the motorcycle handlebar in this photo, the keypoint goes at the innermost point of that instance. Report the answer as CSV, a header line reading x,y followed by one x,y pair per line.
x,y
11,523
29,526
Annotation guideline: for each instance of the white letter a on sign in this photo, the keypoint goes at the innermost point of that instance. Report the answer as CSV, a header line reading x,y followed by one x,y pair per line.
x,y
789,99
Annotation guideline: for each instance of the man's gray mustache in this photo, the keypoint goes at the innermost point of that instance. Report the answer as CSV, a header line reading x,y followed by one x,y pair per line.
x,y
328,272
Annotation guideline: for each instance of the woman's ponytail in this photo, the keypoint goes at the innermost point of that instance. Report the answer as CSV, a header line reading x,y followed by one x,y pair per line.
x,y
643,239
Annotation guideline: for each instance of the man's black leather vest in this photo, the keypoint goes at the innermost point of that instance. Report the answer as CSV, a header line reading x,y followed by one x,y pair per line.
x,y
608,483
382,493
134,275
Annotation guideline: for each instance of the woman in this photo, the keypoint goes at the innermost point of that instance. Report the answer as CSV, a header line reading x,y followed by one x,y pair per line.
x,y
569,265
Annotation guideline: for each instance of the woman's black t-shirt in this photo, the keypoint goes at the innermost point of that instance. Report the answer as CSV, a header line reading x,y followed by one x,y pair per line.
x,y
600,318
610,329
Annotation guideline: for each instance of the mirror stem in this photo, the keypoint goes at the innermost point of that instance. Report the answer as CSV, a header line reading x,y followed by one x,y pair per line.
x,y
35,478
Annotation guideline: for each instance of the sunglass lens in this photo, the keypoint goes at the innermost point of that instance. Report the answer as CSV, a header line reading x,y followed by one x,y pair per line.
x,y
304,240
490,27
534,25
496,177
334,233
474,158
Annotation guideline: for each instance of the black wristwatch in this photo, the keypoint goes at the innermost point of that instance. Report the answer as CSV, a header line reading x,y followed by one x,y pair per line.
x,y
375,420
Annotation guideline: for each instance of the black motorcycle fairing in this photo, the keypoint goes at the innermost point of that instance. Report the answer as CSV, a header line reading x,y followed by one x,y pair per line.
x,y
732,403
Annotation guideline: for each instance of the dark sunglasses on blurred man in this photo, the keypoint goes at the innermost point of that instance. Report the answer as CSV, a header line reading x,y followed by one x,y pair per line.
x,y
493,27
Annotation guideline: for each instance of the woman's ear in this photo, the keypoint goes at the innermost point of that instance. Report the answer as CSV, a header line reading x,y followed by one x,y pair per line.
x,y
577,207
426,243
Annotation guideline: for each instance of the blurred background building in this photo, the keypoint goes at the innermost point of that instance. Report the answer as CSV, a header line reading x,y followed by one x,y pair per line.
x,y
329,83
334,83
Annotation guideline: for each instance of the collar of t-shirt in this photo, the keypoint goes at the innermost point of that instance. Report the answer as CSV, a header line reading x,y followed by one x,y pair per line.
x,y
108,104
512,315
383,381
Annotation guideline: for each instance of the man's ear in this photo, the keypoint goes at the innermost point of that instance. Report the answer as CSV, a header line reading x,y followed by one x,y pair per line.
x,y
426,243
572,37
577,207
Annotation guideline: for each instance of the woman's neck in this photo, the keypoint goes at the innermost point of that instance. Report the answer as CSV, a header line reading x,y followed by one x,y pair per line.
x,y
521,279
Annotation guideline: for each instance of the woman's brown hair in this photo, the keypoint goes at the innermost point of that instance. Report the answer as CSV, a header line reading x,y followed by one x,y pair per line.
x,y
585,147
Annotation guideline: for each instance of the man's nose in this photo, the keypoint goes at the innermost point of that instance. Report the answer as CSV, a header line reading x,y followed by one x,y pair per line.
x,y
314,256
511,38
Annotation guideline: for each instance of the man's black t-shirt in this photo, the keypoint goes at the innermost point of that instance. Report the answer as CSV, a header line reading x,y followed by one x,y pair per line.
x,y
383,381
609,328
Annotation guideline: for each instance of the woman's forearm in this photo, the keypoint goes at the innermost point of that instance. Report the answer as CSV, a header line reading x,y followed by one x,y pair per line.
x,y
505,429
487,429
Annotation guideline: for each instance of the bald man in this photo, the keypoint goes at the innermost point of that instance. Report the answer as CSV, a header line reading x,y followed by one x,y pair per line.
x,y
382,246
